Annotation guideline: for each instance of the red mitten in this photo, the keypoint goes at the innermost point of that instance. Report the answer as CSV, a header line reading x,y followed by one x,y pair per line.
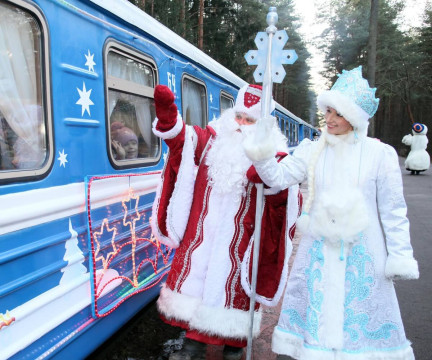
x,y
166,110
253,176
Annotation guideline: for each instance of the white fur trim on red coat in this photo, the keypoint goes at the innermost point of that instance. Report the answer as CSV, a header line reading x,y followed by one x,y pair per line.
x,y
181,198
171,133
154,221
174,305
223,322
401,268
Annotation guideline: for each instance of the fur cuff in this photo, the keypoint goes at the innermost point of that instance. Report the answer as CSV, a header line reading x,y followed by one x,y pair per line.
x,y
258,152
401,268
173,132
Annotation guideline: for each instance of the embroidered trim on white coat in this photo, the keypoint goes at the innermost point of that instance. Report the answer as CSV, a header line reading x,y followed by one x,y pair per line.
x,y
181,199
155,210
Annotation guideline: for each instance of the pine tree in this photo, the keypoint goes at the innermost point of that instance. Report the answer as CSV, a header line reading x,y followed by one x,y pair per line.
x,y
228,31
397,73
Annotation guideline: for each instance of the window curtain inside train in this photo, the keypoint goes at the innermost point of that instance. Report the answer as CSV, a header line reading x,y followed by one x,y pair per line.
x,y
194,103
140,74
20,100
143,115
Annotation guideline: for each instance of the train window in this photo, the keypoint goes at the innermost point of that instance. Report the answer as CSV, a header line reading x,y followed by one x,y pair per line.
x,y
131,78
25,135
281,123
295,133
290,134
194,101
226,101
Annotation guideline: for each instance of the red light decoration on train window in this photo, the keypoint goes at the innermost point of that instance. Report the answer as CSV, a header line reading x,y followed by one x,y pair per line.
x,y
6,319
125,257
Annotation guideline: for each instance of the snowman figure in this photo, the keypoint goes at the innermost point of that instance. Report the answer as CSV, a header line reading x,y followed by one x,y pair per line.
x,y
418,159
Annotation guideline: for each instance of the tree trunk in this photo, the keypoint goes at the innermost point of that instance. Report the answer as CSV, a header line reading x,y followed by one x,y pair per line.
x,y
371,68
201,24
183,17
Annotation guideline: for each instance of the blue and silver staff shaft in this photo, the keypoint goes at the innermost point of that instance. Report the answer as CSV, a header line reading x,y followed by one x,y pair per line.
x,y
269,57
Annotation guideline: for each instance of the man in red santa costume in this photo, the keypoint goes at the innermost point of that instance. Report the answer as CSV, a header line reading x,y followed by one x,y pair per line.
x,y
205,208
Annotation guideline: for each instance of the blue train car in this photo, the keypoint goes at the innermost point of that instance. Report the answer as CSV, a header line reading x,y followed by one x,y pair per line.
x,y
294,128
77,256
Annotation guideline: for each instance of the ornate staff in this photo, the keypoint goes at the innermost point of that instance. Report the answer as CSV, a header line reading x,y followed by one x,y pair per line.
x,y
269,57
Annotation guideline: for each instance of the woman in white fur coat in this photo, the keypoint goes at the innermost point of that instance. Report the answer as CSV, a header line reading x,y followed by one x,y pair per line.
x,y
340,301
418,159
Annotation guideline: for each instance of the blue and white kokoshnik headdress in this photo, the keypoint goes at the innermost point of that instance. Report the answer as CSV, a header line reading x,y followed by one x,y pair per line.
x,y
351,97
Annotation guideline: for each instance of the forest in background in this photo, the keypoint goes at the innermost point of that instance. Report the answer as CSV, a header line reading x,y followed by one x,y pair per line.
x,y
358,32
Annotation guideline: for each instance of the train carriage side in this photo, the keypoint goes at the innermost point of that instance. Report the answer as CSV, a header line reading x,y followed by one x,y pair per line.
x,y
294,128
77,257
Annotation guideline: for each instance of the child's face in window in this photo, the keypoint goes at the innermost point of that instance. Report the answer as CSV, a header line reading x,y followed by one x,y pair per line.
x,y
131,149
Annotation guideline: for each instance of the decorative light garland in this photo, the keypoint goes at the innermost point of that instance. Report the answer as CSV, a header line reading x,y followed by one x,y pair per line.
x,y
97,258
6,319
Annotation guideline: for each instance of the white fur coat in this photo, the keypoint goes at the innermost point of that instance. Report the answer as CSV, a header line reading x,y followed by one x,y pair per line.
x,y
340,301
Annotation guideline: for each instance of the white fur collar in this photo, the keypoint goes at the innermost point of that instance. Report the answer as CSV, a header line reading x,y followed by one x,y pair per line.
x,y
351,138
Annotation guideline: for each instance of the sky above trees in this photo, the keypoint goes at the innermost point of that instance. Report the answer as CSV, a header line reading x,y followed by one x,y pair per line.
x,y
410,17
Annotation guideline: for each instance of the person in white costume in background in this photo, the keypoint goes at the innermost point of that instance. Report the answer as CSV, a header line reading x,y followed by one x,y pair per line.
x,y
340,301
418,159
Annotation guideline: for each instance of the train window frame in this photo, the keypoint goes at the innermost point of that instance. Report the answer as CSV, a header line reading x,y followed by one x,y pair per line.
x,y
292,134
226,96
280,122
187,77
130,89
43,107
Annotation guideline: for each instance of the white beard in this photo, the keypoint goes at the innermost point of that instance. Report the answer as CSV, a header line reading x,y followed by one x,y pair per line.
x,y
226,158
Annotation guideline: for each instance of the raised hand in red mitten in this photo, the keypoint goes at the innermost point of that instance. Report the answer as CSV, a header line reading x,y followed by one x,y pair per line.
x,y
166,110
